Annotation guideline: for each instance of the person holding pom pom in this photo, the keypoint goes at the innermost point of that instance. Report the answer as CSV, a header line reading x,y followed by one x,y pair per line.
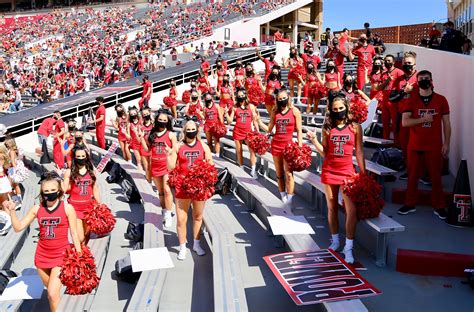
x,y
55,219
245,116
286,119
187,152
212,114
80,183
161,137
340,136
171,100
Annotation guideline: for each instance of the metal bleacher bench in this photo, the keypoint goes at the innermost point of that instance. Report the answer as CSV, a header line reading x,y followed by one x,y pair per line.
x,y
147,293
383,225
265,204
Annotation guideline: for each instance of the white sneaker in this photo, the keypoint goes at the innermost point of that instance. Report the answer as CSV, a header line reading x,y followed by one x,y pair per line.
x,y
284,199
334,245
198,249
348,256
254,175
168,219
182,253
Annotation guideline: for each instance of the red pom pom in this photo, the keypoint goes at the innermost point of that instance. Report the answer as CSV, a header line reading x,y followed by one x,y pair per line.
x,y
100,219
175,178
298,158
78,272
258,142
359,110
256,95
186,98
200,180
194,110
365,192
169,101
218,129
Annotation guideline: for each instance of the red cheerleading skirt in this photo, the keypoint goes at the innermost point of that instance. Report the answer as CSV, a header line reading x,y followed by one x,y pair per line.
x,y
47,257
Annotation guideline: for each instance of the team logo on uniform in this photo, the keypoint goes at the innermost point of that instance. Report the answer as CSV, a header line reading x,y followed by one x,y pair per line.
x,y
422,112
191,156
83,185
210,114
50,223
281,124
463,203
243,116
339,141
365,56
159,147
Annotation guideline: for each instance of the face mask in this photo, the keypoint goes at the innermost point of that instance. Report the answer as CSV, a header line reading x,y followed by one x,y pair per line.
x,y
388,65
50,196
292,55
71,128
338,115
133,118
310,69
348,83
377,67
191,134
161,124
310,52
240,99
407,68
194,98
80,161
147,117
208,102
219,66
331,67
78,138
275,74
272,58
362,40
424,84
193,85
120,113
282,103
335,43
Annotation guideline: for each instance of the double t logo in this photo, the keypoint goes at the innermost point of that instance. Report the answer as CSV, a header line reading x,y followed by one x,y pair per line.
x,y
339,141
50,223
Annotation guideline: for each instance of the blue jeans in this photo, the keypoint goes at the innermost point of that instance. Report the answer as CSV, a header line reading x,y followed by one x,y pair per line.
x,y
15,106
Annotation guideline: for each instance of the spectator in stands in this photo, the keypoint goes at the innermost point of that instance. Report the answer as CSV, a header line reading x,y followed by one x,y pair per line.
x,y
434,37
100,122
365,53
452,40
378,44
325,40
368,33
467,47
46,129
427,118
59,135
16,105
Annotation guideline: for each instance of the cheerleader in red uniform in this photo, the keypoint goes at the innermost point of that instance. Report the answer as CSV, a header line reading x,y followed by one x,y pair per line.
x,y
203,83
315,84
245,116
295,64
173,96
239,75
350,89
121,124
332,79
375,79
144,132
161,137
80,183
253,85
286,119
226,93
55,220
273,83
194,108
219,73
59,132
134,127
184,155
212,114
340,136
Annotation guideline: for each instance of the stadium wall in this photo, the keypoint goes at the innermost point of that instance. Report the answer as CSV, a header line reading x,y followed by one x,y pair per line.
x,y
408,34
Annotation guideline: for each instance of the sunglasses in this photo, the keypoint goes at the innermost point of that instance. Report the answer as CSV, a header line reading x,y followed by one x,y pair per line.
x,y
193,118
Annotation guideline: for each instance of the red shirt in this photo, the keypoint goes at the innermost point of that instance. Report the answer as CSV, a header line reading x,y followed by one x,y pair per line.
x,y
400,84
146,87
336,56
284,126
205,67
243,119
268,67
53,227
46,126
158,147
427,136
58,128
311,58
81,190
365,56
395,73
189,154
99,113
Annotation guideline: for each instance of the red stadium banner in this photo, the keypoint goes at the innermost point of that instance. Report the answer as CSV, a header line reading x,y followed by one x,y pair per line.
x,y
312,277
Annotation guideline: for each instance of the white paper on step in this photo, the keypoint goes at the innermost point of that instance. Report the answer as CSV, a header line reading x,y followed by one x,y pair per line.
x,y
287,225
22,288
150,259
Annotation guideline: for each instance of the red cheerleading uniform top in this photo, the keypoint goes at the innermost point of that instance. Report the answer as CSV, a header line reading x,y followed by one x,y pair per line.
x,y
330,77
81,193
365,56
225,90
284,127
159,166
53,236
135,144
312,80
239,73
376,79
338,165
189,154
146,133
272,85
429,135
173,92
202,81
243,122
122,125
250,81
211,115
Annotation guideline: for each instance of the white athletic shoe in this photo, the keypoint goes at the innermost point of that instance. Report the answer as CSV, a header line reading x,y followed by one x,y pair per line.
x,y
334,245
284,199
348,256
182,253
254,175
167,218
198,249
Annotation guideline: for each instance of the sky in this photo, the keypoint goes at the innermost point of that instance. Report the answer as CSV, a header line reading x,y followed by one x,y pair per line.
x,y
352,14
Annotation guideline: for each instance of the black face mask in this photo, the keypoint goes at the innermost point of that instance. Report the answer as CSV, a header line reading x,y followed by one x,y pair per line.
x,y
191,134
338,115
240,99
310,69
120,113
388,65
133,118
331,67
71,128
194,98
424,84
310,52
282,103
363,40
292,55
208,102
161,124
377,67
78,138
407,69
347,83
80,161
193,85
271,58
50,196
147,118
219,66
